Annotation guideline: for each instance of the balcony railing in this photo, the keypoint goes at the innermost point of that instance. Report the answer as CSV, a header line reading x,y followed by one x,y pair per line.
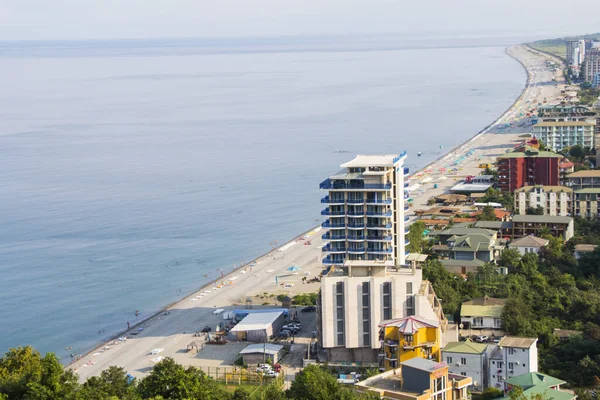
x,y
406,171
355,201
379,226
379,238
380,250
356,250
360,213
356,226
328,224
356,238
406,207
379,213
341,185
329,236
327,211
331,249
406,184
379,201
329,261
406,218
328,200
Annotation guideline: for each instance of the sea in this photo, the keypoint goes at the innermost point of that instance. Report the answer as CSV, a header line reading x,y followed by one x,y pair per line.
x,y
129,169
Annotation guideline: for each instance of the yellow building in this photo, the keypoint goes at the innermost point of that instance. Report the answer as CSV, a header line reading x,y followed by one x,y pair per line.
x,y
418,379
410,337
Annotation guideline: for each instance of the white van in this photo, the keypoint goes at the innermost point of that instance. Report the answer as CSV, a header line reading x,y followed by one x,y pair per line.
x,y
219,311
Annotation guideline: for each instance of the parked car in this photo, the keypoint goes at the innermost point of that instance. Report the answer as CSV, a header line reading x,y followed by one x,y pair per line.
x,y
284,334
481,339
219,311
270,373
309,309
291,329
206,329
263,368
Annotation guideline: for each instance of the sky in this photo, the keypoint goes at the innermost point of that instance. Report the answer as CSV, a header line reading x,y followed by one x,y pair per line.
x,y
109,19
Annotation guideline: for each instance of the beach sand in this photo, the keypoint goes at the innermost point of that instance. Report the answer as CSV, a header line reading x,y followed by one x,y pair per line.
x,y
173,328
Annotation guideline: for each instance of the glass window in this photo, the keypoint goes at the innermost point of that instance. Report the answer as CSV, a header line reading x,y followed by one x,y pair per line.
x,y
387,300
463,361
449,360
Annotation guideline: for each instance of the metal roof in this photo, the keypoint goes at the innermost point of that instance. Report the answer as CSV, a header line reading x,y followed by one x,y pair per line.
x,y
261,348
423,364
470,310
467,347
256,321
519,342
588,191
494,224
585,174
542,218
410,325
529,241
556,189
384,160
461,263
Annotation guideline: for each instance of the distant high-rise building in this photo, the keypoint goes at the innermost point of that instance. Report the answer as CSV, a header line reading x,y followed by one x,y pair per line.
x,y
529,167
365,211
581,52
571,46
591,64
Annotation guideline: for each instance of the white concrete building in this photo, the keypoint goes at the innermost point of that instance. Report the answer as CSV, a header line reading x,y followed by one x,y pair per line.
x,y
528,244
482,313
514,356
469,359
557,135
555,200
365,209
356,297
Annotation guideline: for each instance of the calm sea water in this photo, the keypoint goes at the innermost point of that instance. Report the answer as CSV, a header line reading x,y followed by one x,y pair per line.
x,y
129,169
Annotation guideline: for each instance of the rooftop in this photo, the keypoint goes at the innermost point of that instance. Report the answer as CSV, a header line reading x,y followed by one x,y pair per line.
x,y
423,364
409,325
585,247
462,263
557,189
530,153
471,243
529,241
542,218
384,160
533,379
486,301
588,191
256,321
462,232
268,348
565,123
467,347
519,342
470,310
471,187
585,174
494,224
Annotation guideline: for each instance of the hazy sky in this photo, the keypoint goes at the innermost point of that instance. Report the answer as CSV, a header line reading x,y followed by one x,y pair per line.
x,y
81,19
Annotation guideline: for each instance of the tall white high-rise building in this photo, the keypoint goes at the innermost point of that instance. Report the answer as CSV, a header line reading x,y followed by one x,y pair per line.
x,y
366,208
581,52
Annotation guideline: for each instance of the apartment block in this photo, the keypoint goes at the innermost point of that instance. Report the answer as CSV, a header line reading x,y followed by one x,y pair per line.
x,y
591,65
585,203
529,167
514,356
365,212
555,200
536,225
558,135
584,180
358,296
469,359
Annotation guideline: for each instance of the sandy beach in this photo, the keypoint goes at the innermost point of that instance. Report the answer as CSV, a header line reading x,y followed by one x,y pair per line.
x,y
173,329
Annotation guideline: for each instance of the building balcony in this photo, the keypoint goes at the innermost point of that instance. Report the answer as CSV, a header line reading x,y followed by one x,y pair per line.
x,y
390,343
333,238
406,207
328,200
379,238
379,226
406,242
327,211
355,226
380,250
406,171
379,201
356,250
355,201
328,224
359,238
359,213
328,184
406,253
381,213
332,249
331,261
407,229
406,184
406,218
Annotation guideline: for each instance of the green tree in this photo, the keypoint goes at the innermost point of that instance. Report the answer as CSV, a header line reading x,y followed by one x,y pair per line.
x,y
111,382
25,374
539,210
415,236
172,381
491,393
509,258
487,214
314,383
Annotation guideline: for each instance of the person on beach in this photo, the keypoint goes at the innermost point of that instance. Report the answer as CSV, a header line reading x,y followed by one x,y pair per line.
x,y
128,325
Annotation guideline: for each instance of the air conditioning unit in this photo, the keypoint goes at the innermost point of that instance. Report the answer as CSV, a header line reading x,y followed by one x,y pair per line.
x,y
458,364
518,362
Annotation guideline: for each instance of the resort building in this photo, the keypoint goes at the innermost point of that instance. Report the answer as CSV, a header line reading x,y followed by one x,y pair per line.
x,y
528,244
365,212
585,203
409,337
356,297
554,200
558,135
482,313
469,359
514,356
525,225
537,384
584,180
418,379
530,167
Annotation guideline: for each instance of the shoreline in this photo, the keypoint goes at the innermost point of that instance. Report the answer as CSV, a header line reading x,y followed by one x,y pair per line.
x,y
182,304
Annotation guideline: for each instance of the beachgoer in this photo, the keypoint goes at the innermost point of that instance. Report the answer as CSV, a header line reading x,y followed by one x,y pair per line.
x,y
128,325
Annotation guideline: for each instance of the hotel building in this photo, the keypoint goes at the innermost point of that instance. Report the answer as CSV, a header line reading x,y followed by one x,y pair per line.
x,y
365,211
529,167
555,200
558,135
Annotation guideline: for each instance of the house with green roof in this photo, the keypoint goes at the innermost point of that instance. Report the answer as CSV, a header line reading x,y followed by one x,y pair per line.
x,y
536,383
469,359
466,244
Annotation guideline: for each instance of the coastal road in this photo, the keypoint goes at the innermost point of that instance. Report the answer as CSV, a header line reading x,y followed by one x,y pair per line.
x,y
173,330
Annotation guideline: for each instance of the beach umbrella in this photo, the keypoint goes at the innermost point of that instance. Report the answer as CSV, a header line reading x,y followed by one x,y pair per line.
x,y
293,268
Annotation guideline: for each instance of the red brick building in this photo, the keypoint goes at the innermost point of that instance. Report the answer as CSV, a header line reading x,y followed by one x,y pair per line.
x,y
529,167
